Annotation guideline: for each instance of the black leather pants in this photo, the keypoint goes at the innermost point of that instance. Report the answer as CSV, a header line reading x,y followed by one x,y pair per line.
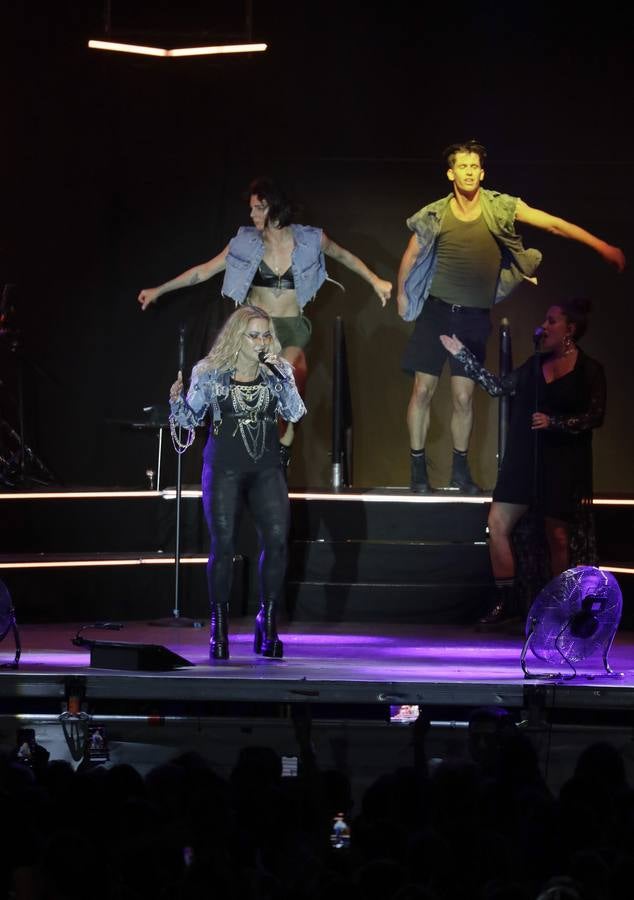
x,y
266,495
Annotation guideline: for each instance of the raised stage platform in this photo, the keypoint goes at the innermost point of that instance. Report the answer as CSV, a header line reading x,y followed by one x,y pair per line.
x,y
343,663
382,592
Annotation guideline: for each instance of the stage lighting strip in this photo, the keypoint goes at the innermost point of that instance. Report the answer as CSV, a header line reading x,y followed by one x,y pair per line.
x,y
112,562
78,495
102,562
216,50
405,497
390,496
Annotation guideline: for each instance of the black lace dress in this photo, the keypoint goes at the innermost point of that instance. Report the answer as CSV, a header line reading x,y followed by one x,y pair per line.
x,y
549,470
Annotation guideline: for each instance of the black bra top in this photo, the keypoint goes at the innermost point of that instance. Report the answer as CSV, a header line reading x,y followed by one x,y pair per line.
x,y
266,277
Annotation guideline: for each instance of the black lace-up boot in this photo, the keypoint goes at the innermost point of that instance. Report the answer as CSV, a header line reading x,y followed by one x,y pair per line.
x,y
419,482
461,476
503,611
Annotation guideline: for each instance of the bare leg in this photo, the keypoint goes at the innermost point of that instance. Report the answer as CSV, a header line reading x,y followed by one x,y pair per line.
x,y
503,517
557,537
297,358
462,416
461,424
418,408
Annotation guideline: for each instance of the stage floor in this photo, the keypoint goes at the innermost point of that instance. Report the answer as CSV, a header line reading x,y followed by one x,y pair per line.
x,y
334,663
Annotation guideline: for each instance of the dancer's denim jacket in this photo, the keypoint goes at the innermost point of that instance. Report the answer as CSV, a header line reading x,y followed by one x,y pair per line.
x,y
209,387
498,211
246,251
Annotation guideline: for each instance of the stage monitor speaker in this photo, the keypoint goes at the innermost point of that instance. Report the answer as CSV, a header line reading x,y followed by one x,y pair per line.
x,y
137,657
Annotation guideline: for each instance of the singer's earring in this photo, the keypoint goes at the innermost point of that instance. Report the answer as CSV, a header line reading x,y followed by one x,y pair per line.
x,y
569,344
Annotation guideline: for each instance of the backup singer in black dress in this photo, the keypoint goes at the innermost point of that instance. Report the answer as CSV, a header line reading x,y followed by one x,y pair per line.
x,y
245,386
558,398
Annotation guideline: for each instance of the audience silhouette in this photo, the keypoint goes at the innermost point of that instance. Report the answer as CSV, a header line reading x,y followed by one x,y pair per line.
x,y
485,826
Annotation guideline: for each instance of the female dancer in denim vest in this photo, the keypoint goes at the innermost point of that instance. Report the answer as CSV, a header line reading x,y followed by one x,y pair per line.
x,y
558,398
278,266
245,386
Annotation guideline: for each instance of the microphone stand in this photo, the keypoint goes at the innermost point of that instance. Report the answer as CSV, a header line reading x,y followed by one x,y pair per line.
x,y
176,620
537,336
504,408
23,466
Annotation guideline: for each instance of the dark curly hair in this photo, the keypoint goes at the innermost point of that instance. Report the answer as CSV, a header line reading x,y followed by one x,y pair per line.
x,y
280,208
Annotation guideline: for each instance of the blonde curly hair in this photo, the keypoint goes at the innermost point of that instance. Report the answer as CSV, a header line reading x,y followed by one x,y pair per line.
x,y
224,353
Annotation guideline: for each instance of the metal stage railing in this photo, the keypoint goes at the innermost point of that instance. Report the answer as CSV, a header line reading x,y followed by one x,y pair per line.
x,y
504,409
341,411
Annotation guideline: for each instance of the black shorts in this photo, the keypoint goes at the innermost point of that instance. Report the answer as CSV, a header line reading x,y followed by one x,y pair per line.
x,y
425,353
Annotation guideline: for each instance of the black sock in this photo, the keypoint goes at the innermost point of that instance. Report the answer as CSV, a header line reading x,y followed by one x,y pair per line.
x,y
502,583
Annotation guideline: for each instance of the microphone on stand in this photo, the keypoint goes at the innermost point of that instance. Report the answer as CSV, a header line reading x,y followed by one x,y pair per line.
x,y
538,335
274,369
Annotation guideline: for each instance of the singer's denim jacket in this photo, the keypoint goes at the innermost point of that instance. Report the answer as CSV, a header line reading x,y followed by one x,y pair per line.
x,y
246,251
498,211
209,387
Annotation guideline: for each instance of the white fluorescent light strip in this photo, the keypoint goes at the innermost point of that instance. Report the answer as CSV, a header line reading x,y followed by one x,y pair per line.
x,y
177,51
170,494
378,497
169,560
79,495
213,51
103,563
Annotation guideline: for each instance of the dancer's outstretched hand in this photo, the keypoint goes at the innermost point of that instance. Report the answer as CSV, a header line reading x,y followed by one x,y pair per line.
x,y
451,344
147,297
383,290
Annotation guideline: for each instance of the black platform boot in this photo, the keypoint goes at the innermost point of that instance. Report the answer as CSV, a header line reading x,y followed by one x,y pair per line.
x,y
504,609
461,476
265,638
218,637
419,483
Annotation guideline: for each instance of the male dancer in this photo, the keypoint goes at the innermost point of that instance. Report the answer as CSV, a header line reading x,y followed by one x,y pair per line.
x,y
464,256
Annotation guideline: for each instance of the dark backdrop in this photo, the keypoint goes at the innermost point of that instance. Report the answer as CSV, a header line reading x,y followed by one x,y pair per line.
x,y
120,172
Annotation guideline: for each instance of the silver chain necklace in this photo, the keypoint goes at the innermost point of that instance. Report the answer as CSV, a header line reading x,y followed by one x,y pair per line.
x,y
249,404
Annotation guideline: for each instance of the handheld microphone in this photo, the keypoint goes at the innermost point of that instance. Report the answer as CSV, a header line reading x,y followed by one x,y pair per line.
x,y
181,348
181,356
538,335
278,374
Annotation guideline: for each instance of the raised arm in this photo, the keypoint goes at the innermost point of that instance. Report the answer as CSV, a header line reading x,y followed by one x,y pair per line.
x,y
543,220
189,412
290,404
381,288
201,272
409,258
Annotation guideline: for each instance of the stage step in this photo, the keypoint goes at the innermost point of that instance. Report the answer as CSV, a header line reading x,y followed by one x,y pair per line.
x,y
388,561
423,602
391,516
382,554
113,586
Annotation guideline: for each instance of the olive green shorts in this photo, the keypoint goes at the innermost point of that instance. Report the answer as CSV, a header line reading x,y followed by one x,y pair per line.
x,y
292,331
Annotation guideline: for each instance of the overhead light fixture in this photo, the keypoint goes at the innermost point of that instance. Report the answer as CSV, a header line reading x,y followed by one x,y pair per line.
x,y
214,50
177,51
